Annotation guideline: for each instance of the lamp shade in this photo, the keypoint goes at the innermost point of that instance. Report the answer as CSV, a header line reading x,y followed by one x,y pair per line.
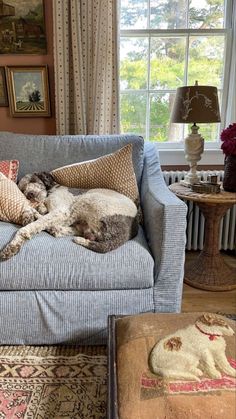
x,y
196,104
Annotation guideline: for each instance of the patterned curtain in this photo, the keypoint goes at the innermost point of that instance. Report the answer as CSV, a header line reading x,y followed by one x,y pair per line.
x,y
86,66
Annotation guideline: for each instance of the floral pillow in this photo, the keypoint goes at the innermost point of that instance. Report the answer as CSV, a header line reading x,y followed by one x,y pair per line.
x,y
10,168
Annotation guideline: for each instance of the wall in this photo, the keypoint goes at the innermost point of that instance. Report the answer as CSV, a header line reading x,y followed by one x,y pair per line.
x,y
33,125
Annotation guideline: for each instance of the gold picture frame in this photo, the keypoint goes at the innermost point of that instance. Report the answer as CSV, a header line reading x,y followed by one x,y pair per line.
x,y
3,88
28,90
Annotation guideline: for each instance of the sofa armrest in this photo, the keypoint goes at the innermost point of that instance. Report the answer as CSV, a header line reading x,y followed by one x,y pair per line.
x,y
165,228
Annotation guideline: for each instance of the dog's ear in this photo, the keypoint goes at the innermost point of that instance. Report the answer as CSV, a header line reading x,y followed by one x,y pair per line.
x,y
207,319
24,182
47,179
35,179
212,320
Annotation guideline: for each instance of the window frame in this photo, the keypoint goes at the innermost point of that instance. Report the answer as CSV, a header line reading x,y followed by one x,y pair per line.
x,y
226,32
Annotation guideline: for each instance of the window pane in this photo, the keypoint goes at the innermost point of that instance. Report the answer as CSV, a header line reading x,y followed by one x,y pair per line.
x,y
133,14
167,62
168,14
206,14
160,127
210,132
133,63
133,113
206,55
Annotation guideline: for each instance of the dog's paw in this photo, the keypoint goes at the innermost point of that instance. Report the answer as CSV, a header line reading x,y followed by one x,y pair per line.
x,y
197,372
82,241
231,372
42,209
8,252
196,379
37,215
28,217
215,374
54,231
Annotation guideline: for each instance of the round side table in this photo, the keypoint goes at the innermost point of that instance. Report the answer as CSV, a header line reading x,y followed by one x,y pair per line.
x,y
209,271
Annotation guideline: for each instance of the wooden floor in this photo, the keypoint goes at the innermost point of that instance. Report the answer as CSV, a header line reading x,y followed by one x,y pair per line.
x,y
195,299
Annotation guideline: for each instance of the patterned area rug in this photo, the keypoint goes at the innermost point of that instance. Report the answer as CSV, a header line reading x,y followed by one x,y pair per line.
x,y
53,382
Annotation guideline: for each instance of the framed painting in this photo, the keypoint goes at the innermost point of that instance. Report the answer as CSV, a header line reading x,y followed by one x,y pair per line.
x,y
22,27
28,91
3,88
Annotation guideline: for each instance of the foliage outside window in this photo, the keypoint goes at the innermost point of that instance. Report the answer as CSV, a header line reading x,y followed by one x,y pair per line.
x,y
165,44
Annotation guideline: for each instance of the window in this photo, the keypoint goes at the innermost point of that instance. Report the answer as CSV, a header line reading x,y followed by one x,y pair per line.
x,y
165,44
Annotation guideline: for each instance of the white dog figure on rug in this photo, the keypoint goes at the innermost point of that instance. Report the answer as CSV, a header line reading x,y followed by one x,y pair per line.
x,y
189,353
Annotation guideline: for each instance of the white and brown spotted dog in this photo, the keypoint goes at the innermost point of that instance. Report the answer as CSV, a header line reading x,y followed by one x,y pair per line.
x,y
102,218
192,352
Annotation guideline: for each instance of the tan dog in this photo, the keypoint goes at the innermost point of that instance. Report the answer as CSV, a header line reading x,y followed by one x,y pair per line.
x,y
189,353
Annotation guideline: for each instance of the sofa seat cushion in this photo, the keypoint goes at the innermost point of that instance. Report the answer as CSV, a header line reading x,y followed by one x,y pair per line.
x,y
48,263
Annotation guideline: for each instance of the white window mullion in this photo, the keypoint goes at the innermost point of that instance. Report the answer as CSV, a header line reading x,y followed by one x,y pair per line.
x,y
228,14
187,14
168,32
227,59
148,90
226,87
186,67
148,77
149,14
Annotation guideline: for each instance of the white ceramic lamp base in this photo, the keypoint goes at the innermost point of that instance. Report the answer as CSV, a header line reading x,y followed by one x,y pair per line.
x,y
193,148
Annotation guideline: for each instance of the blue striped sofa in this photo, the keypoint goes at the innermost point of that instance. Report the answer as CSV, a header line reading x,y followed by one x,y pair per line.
x,y
54,291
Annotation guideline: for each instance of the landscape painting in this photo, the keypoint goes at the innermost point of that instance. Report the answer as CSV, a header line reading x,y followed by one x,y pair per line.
x,y
3,88
22,27
28,91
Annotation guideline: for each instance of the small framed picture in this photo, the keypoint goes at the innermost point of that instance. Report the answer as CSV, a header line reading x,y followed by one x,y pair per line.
x,y
28,90
3,88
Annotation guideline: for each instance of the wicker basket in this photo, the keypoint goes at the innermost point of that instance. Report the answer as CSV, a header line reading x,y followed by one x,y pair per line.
x,y
229,182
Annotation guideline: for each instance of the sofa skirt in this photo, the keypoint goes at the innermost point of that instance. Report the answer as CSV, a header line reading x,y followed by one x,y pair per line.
x,y
65,317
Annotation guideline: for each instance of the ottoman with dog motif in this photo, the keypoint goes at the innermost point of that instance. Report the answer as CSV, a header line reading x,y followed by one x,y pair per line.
x,y
172,366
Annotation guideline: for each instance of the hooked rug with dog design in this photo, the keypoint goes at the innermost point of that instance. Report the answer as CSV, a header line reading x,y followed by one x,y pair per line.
x,y
178,366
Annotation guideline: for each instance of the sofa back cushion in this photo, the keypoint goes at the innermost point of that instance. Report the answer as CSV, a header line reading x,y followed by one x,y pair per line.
x,y
47,152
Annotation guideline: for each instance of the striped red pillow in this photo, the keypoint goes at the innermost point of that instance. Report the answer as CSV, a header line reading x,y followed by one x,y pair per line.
x,y
10,169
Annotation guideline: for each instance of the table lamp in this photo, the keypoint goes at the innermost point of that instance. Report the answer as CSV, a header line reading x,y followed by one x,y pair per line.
x,y
195,104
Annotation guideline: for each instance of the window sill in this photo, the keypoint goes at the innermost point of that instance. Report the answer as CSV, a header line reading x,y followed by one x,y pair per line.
x,y
175,157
